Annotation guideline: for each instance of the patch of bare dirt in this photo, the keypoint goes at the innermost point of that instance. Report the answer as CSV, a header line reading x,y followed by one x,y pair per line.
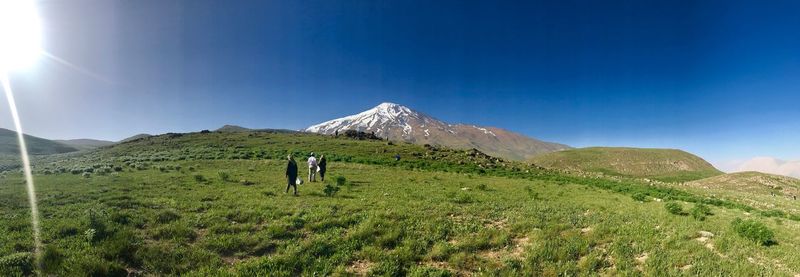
x,y
360,267
640,260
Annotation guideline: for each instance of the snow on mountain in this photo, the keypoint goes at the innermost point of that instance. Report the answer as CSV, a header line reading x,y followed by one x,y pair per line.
x,y
399,123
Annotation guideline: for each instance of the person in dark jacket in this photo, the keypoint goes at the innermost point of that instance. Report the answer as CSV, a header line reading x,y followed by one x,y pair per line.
x,y
291,174
323,166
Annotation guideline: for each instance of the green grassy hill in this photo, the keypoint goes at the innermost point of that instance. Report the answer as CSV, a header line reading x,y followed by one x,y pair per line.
x,y
667,165
751,182
766,191
85,144
36,146
213,204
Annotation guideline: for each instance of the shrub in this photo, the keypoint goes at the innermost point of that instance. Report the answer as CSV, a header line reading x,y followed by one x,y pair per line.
x,y
532,193
167,216
330,190
199,178
52,260
674,208
86,175
224,176
340,180
462,198
641,197
700,212
483,187
18,264
754,231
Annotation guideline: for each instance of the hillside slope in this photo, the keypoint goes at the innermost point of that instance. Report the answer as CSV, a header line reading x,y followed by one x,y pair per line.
x,y
36,145
85,144
668,165
213,203
236,128
400,123
751,182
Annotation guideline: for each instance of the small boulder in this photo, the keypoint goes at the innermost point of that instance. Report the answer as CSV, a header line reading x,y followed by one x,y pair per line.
x,y
705,234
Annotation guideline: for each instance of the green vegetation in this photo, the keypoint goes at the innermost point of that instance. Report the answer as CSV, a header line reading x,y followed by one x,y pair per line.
x,y
754,230
36,146
674,208
437,212
667,165
700,212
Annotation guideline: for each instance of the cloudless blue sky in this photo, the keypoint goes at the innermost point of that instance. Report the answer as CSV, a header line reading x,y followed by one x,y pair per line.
x,y
716,78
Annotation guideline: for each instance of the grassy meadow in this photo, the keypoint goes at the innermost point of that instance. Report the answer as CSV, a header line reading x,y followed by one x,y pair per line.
x,y
213,204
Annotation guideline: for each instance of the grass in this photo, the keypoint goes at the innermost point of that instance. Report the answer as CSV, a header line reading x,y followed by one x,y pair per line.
x,y
666,165
427,216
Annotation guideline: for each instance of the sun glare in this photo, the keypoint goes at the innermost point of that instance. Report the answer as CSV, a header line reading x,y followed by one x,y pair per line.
x,y
20,34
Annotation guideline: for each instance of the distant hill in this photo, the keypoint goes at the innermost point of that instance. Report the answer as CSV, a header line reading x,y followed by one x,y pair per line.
x,y
235,128
667,165
85,144
136,137
750,182
399,123
36,145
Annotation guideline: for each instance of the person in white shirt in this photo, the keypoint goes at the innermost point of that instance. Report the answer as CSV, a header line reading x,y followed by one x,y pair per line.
x,y
312,168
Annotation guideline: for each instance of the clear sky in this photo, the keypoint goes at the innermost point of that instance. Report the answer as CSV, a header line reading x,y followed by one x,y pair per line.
x,y
716,78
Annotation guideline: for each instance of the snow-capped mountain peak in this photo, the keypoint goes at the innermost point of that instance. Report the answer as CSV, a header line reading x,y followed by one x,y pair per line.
x,y
381,119
397,122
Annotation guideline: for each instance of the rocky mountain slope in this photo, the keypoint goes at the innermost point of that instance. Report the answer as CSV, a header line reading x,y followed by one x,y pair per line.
x,y
399,123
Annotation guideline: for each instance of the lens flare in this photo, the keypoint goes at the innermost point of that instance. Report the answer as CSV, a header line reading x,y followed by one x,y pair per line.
x,y
26,163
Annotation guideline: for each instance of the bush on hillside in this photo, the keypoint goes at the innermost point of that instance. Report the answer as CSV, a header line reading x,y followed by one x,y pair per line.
x,y
674,208
754,231
18,264
340,180
330,190
641,197
700,212
224,176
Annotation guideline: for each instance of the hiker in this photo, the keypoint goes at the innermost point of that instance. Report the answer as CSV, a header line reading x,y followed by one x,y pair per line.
x,y
312,168
397,158
291,174
322,166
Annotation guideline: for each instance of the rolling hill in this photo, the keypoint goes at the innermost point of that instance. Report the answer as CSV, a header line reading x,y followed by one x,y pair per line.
x,y
751,182
36,145
667,165
214,203
399,123
135,137
85,144
236,129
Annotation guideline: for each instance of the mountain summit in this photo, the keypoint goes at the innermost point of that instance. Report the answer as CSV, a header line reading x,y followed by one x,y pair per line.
x,y
400,123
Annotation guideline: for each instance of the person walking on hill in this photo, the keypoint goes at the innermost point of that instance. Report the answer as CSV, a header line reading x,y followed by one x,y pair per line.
x,y
323,166
291,174
312,168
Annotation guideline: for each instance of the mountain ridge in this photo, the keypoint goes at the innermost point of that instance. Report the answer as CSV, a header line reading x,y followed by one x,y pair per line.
x,y
36,145
399,123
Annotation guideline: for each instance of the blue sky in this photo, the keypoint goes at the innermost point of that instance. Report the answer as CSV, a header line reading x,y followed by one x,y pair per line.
x,y
716,78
